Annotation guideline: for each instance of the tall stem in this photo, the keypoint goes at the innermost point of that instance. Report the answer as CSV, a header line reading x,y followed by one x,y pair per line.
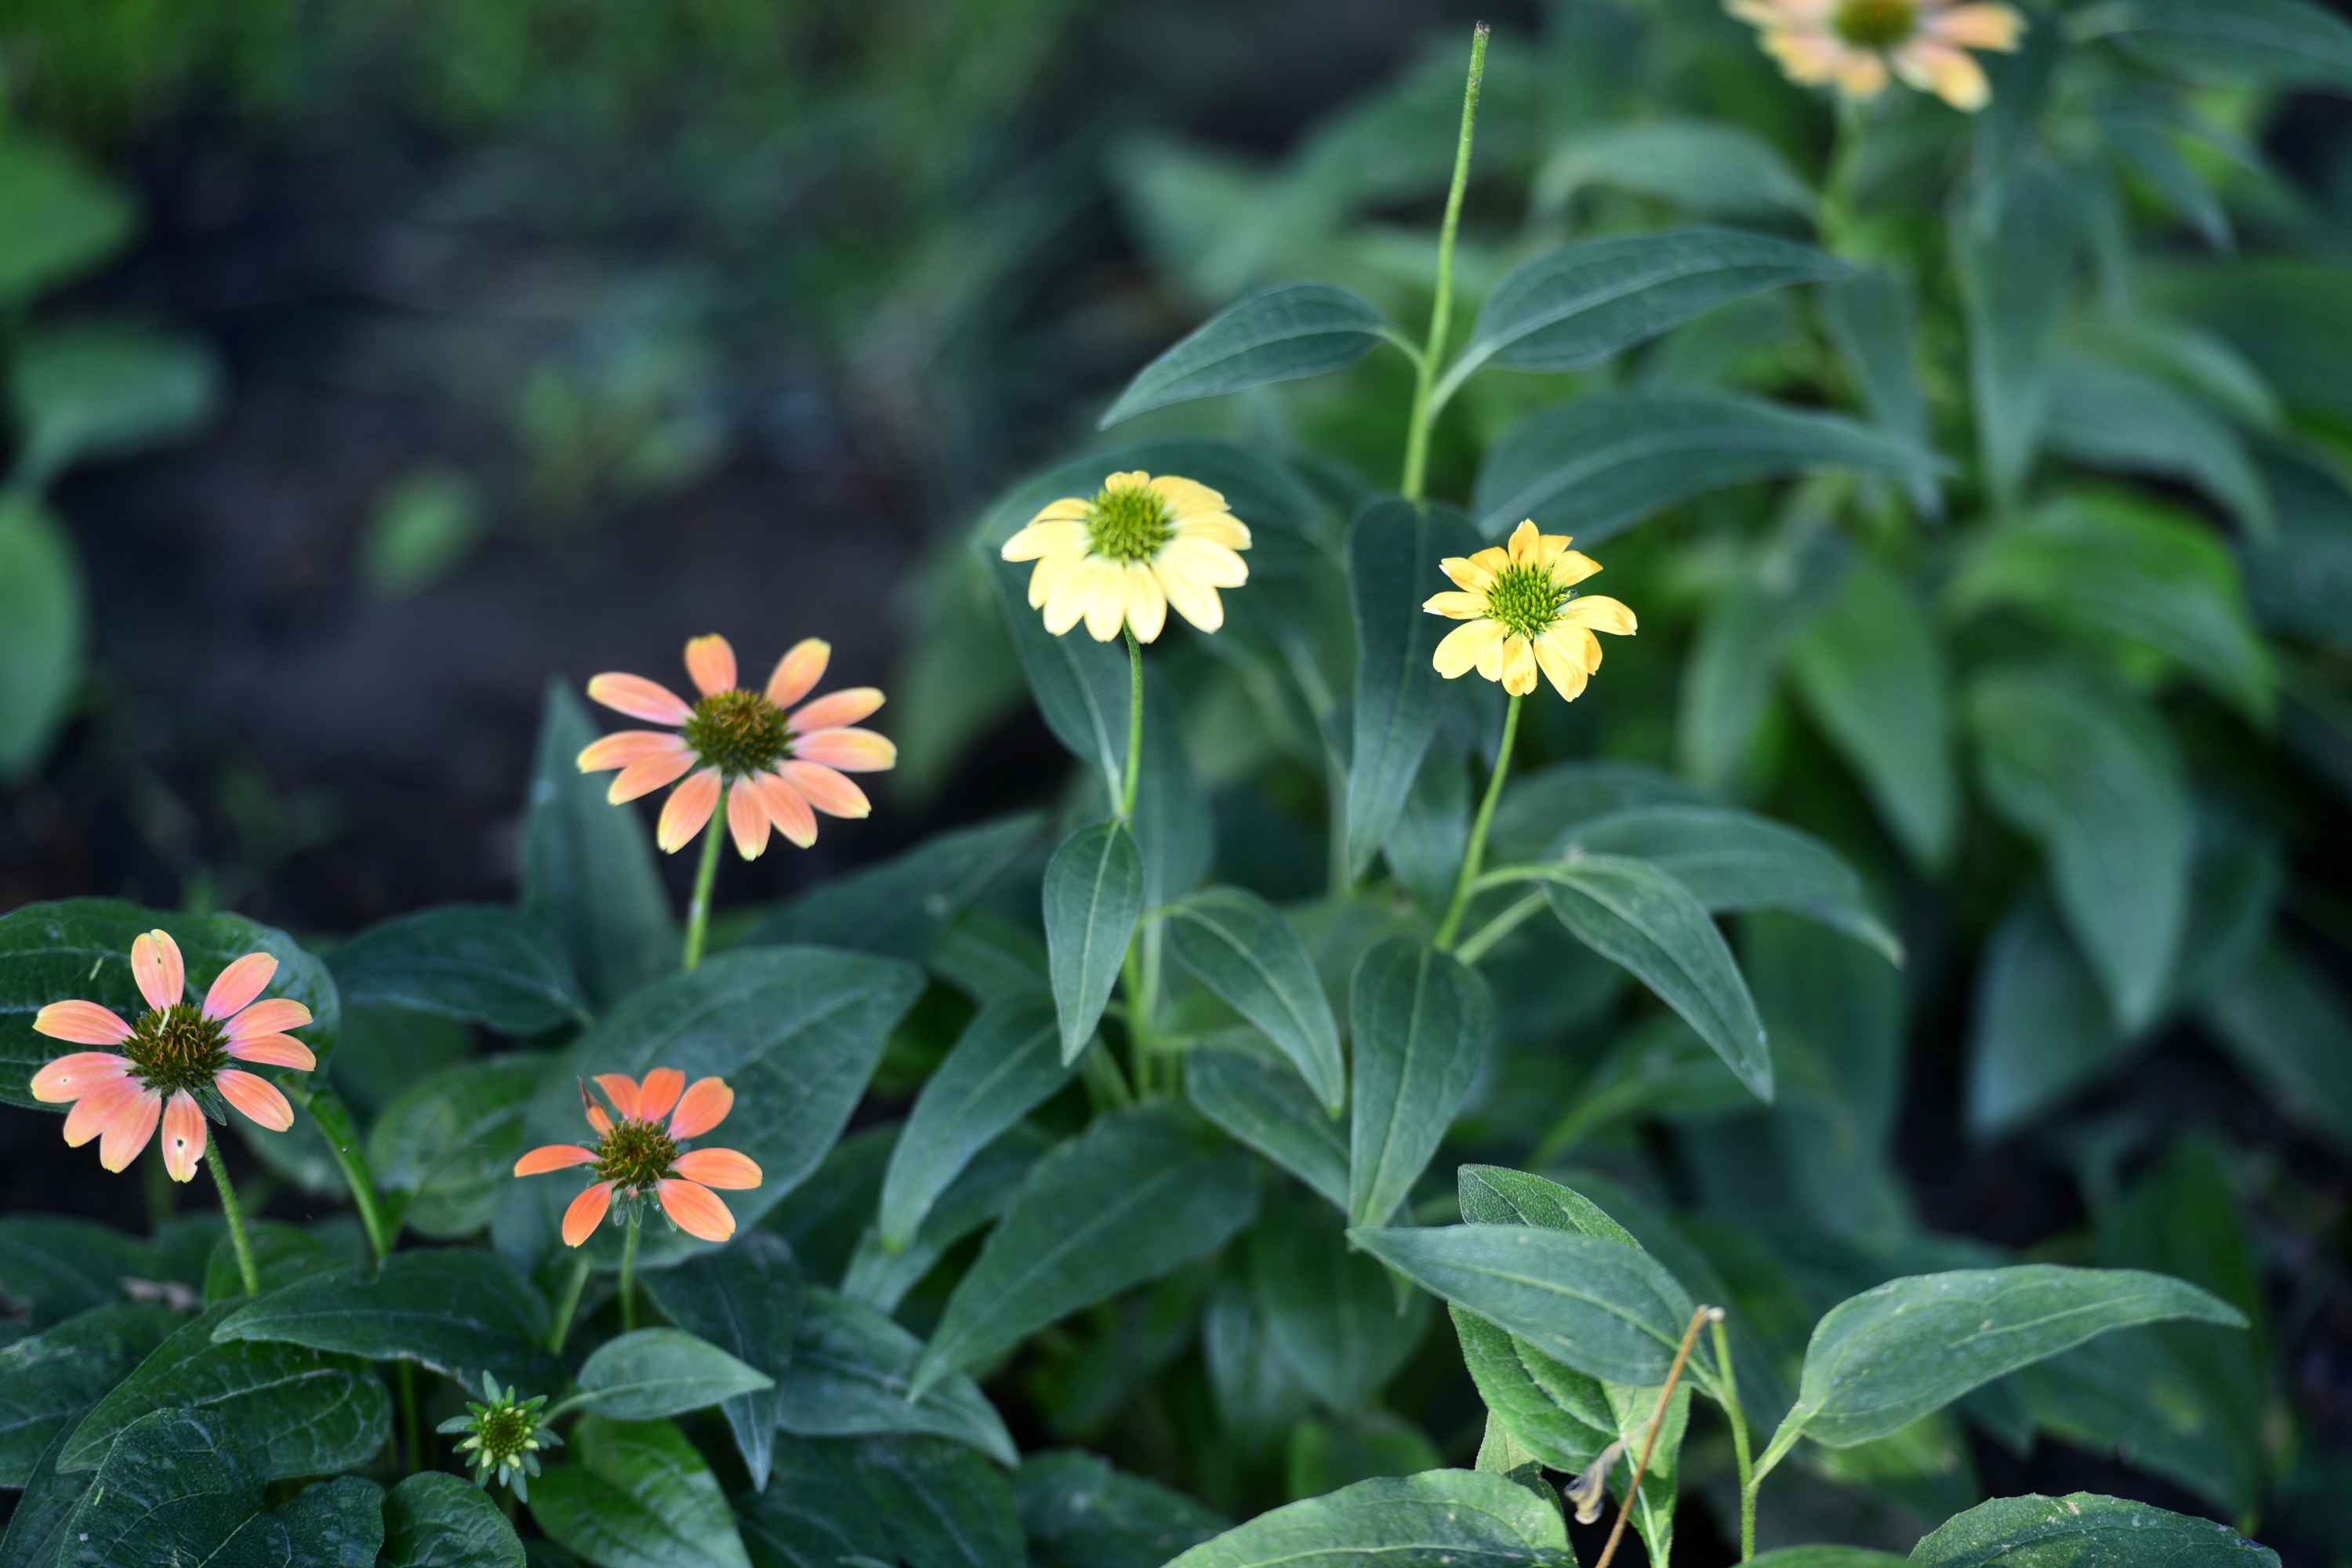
x,y
1475,857
1440,310
698,911
237,1239
335,1120
565,1309
629,1275
413,1438
1699,1319
1730,1382
1131,780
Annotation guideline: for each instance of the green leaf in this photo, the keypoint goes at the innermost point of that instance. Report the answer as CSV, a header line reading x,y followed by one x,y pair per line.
x,y
1872,318
747,1299
106,390
2042,1027
485,963
653,1373
44,621
459,1311
59,1267
2287,1028
173,1488
2014,247
904,906
2130,421
1393,548
1424,848
1881,1360
437,1520
1138,1194
334,1524
1242,948
1421,1022
282,1254
635,1494
1175,834
1298,329
64,217
2053,1533
588,865
1644,920
1257,1098
49,1380
881,1278
1734,669
1596,467
1703,166
1094,896
2090,771
1081,685
1007,1062
36,1532
812,1515
1537,805
2300,582
1826,1557
944,1505
1558,1414
1078,1512
451,1142
1332,1312
2277,43
826,1216
1601,1306
1439,1519
852,1372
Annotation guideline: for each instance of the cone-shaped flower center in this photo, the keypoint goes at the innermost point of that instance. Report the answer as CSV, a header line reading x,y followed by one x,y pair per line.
x,y
1524,601
1129,524
636,1154
738,733
507,1434
1876,24
176,1047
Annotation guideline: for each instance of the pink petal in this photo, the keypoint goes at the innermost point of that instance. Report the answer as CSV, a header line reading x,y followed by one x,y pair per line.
x,y
239,984
826,789
622,747
723,1168
786,809
689,808
554,1157
798,672
274,1015
256,1096
69,1077
95,1112
704,1106
747,819
83,1022
621,1090
183,1137
836,707
711,662
273,1051
851,751
660,1092
649,773
586,1213
155,965
129,1132
639,699
695,1208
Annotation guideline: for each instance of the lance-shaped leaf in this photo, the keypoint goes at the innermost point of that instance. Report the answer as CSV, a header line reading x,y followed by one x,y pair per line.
x,y
486,964
1703,166
852,1370
436,1520
49,1380
746,1298
1643,919
1421,1020
904,906
44,621
334,1524
450,1142
2015,242
813,1516
1298,329
2281,43
2055,1533
1260,1101
1881,1360
1872,318
36,1532
459,1311
944,1506
2136,422
1459,1518
1331,1311
653,1373
1007,1062
174,1488
881,1278
1240,947
1094,896
1393,549
635,1494
1078,1512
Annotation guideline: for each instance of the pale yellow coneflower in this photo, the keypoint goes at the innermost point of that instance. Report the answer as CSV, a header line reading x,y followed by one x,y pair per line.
x,y
1859,44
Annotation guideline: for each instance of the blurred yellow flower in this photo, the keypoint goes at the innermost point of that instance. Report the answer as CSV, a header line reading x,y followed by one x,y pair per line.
x,y
1857,43
1121,559
1522,614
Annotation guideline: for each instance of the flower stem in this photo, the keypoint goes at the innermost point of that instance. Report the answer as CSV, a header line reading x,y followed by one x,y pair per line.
x,y
1731,1411
412,1448
1132,782
1440,310
1476,855
698,909
237,1239
569,1306
335,1120
629,1277
1700,1318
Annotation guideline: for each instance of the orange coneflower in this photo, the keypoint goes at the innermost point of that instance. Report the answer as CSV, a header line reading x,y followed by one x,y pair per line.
x,y
641,1148
172,1066
775,766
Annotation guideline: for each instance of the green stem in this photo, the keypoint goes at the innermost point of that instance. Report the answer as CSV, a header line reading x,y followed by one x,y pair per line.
x,y
1466,883
1132,782
413,1448
1107,1087
245,1268
1731,1412
335,1120
1477,945
568,1307
1440,310
698,909
629,1276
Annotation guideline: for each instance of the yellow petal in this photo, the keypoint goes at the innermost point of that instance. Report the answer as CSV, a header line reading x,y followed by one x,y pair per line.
x,y
1133,479
1046,537
1573,567
1104,587
1492,559
1527,545
1576,644
1048,574
1191,597
1566,675
1463,647
1187,498
1146,606
1976,27
1211,563
1599,612
1518,666
1467,574
1952,75
1862,75
1215,528
1068,600
1456,607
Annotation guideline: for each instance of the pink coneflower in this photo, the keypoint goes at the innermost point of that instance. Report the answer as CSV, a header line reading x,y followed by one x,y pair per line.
x,y
641,1148
173,1065
1857,43
775,767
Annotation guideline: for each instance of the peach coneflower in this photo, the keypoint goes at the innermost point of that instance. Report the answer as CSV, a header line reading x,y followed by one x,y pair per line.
x,y
642,1149
1857,43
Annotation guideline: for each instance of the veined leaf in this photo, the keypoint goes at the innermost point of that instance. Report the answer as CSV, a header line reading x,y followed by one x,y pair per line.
x,y
2052,1532
2043,1028
49,1380
459,1311
653,1373
175,1487
944,1505
2278,43
1298,329
1242,948
1007,1062
2014,246
1078,1512
435,1520
450,1144
1707,167
1439,1519
978,1196
1094,896
43,626
2286,1028
1421,1021
1260,1101
635,1494
338,1523
1872,317
1393,548
746,1298
1332,1312
851,1373
1538,806
2111,416
58,1266
904,906
813,1516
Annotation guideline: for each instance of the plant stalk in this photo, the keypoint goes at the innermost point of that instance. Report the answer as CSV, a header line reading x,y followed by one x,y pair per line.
x,y
566,1309
335,1120
1699,1320
413,1446
1732,1413
237,1239
1465,884
1131,782
1440,310
697,909
629,1274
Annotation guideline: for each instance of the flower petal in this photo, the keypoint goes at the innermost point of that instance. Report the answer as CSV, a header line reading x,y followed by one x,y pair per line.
x,y
554,1157
1526,544
1210,562
1189,594
155,965
1468,575
710,661
1599,612
1518,666
688,808
256,1096
1146,602
622,747
1456,605
1186,498
659,1092
747,820
1106,598
273,1050
1463,647
586,1213
621,1090
1044,536
825,789
1952,75
69,1077
1976,27
797,673
835,709
852,750
183,1137
1049,571
272,1016
238,985
1215,528
94,1112
1576,644
786,809
648,774
82,1023
702,1107
1573,567
639,699
1065,600
721,1168
695,1208
129,1132
1560,667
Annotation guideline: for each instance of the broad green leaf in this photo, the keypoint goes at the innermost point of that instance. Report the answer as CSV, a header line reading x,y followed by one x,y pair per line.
x,y
653,1373
43,619
282,1254
1094,896
1258,1399
1138,1194
1596,467
1242,948
58,1266
1081,685
904,906
437,1520
1439,1519
1871,669
1705,167
300,1414
2288,1029
1175,835
1892,1355
2043,1027
944,1505
1537,805
459,1311
175,1487
1660,1069
2129,421
1331,1311
64,217
1007,1062
2089,770
826,1216
2014,247
1424,849
588,865
2277,43
812,1514
486,964
881,1278
1601,1306
2060,1532
635,1494
1734,669
451,1142
1393,548
36,1532
49,1380
1496,1194
2299,580
1421,1021
104,391
1298,329
988,957
852,1372
1827,1557
1257,1098
1558,1414
1872,318
333,1524
1644,919
746,1298
1078,1512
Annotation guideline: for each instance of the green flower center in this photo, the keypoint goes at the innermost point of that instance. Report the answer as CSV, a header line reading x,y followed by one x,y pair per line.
x,y
1133,524
739,733
176,1047
636,1154
1876,24
1525,601
507,1434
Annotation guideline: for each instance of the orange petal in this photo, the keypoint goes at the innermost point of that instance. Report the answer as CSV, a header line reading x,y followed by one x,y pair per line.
x,y
659,1092
621,1090
711,662
647,774
721,1168
704,1106
639,699
851,751
83,1022
95,1112
238,985
798,672
836,707
747,819
183,1137
554,1157
786,809
695,1208
586,1213
274,1051
825,789
622,747
256,1096
599,1121
273,1015
155,965
69,1077
689,808
129,1132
